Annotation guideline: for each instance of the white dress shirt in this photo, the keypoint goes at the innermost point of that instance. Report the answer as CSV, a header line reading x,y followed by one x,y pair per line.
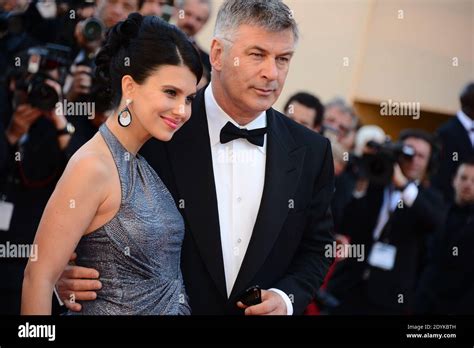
x,y
239,176
468,124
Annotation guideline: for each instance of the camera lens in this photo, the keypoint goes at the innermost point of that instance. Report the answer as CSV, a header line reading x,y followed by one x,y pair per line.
x,y
42,96
93,29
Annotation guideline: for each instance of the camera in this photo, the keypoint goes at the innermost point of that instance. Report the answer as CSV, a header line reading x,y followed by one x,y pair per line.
x,y
98,94
42,63
377,165
93,29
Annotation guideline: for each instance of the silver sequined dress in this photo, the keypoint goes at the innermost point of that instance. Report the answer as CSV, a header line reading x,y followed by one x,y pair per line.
x,y
137,253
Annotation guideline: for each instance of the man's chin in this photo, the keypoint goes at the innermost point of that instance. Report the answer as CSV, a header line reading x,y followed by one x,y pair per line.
x,y
263,104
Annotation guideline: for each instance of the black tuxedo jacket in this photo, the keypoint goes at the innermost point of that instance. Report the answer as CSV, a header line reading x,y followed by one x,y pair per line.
x,y
410,228
293,225
446,286
454,139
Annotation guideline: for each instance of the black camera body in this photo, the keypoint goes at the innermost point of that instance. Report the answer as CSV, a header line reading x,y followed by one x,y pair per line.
x,y
377,166
31,86
98,93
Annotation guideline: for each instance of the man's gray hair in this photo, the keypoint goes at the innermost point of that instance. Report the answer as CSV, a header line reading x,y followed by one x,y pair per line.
x,y
272,15
344,107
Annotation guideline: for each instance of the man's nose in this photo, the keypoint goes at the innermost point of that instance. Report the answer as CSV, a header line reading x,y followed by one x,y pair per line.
x,y
120,12
270,70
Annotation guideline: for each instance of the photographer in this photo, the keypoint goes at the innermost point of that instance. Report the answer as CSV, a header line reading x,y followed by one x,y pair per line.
x,y
446,286
80,87
35,138
394,239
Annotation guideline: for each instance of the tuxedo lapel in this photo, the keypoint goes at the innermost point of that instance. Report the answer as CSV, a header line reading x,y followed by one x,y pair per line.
x,y
463,139
191,161
283,168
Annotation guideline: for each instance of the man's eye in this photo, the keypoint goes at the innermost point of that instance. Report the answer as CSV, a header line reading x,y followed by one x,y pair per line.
x,y
283,59
257,55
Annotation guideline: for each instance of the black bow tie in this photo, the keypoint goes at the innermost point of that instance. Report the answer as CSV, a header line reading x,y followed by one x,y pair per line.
x,y
230,132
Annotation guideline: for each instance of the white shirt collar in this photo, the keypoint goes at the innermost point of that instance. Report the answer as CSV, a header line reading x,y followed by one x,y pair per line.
x,y
217,118
467,123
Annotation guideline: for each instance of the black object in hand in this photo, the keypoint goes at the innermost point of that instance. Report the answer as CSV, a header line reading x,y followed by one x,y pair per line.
x,y
251,296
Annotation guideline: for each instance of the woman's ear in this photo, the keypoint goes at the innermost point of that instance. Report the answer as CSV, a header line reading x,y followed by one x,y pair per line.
x,y
217,54
129,87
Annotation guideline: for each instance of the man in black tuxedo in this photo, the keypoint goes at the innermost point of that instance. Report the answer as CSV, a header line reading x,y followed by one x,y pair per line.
x,y
392,223
457,137
446,286
254,187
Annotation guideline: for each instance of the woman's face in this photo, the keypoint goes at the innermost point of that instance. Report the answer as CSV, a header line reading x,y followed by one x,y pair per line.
x,y
162,104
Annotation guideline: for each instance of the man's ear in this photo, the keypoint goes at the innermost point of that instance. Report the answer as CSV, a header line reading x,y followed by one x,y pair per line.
x,y
217,54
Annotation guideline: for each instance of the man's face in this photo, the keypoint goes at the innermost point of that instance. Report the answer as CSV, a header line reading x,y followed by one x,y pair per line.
x,y
416,168
113,11
196,14
301,114
342,123
252,67
152,8
464,185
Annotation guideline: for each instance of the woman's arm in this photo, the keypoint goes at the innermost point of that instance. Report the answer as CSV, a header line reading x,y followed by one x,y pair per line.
x,y
68,214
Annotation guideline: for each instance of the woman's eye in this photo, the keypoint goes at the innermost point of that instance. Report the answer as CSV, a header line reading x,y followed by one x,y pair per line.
x,y
170,92
189,100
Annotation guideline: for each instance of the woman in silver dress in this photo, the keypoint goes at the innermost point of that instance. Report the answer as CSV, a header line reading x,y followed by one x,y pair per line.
x,y
109,205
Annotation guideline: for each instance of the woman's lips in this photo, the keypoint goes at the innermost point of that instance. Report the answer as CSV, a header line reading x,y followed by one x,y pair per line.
x,y
170,122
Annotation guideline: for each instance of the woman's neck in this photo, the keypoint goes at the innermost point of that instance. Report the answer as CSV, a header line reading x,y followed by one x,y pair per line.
x,y
132,137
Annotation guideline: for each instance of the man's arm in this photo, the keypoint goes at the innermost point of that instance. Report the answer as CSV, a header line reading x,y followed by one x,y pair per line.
x,y
310,265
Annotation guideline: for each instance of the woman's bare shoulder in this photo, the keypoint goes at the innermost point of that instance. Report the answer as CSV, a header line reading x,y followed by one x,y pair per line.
x,y
92,161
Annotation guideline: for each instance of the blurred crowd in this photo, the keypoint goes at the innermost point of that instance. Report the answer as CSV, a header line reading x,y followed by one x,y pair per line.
x,y
403,212
403,208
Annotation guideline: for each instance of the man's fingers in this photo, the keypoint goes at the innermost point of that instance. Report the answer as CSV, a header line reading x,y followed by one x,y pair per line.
x,y
80,69
73,306
262,308
28,113
241,305
81,284
80,272
79,296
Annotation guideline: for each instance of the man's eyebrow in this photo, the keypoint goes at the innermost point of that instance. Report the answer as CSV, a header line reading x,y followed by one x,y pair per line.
x,y
256,47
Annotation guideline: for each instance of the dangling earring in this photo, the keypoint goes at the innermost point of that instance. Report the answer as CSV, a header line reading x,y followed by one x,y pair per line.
x,y
125,116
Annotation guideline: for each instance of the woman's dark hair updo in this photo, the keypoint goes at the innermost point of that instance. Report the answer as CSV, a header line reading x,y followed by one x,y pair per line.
x,y
137,47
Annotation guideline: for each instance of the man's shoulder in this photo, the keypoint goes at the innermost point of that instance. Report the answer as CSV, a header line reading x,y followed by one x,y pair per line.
x,y
450,127
301,134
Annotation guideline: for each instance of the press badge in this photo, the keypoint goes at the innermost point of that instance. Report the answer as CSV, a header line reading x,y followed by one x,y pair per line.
x,y
6,212
382,256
